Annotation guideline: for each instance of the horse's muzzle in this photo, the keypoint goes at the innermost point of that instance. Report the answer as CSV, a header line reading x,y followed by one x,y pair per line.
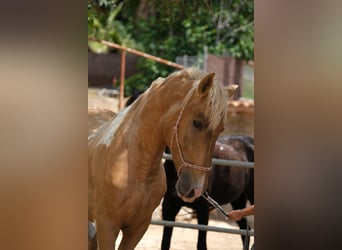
x,y
189,196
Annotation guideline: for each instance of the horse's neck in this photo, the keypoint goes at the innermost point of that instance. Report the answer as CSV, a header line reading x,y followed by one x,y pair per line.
x,y
145,140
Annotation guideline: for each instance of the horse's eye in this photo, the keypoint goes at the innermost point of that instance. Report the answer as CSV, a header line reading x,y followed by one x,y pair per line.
x,y
197,124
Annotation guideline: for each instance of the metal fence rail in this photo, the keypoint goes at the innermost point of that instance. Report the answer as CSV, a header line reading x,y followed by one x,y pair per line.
x,y
244,164
202,227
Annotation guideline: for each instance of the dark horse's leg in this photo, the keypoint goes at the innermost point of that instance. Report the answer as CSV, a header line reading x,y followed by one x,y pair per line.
x,y
202,211
170,209
240,203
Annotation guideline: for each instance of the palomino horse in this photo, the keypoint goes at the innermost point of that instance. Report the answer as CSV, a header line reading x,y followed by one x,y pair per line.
x,y
186,112
226,184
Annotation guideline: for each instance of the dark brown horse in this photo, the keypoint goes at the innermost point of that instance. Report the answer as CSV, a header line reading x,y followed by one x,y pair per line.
x,y
233,185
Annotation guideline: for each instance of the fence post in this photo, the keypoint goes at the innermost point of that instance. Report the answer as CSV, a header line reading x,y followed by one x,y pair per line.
x,y
122,79
205,58
247,237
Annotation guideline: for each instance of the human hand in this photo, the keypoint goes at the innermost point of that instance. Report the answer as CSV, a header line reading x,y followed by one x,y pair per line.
x,y
235,215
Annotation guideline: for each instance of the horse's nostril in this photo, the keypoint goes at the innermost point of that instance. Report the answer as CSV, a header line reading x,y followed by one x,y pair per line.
x,y
191,194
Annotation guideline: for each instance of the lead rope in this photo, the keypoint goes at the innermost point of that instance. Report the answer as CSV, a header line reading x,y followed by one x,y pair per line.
x,y
175,134
206,196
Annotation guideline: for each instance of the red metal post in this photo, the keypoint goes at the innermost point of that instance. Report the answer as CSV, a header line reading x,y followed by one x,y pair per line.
x,y
122,79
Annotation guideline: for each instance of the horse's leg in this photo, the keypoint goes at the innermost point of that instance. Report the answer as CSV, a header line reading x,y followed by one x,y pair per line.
x,y
202,211
106,233
240,203
169,211
131,235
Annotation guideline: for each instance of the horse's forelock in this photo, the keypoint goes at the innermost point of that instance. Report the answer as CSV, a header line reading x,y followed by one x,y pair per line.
x,y
217,106
217,98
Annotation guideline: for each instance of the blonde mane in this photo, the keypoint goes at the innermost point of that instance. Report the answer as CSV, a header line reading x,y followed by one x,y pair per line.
x,y
217,97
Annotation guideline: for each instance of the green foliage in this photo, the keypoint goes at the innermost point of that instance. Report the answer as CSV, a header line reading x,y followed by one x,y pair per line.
x,y
149,71
104,24
185,28
174,28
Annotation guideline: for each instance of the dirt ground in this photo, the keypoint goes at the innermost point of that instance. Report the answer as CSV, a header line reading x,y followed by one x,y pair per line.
x,y
182,238
95,100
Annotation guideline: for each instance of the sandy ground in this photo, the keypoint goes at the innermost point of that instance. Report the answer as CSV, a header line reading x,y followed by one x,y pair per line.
x,y
182,238
95,100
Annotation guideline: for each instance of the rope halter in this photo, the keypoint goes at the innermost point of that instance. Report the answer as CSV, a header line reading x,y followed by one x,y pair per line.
x,y
175,134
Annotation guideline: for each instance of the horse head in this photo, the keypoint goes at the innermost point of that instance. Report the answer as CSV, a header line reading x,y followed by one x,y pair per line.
x,y
197,124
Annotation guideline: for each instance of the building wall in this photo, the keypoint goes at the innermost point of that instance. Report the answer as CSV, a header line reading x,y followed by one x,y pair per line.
x,y
229,70
102,68
240,119
240,124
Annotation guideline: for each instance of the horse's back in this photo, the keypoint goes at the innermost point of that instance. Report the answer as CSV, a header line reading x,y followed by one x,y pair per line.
x,y
234,180
244,145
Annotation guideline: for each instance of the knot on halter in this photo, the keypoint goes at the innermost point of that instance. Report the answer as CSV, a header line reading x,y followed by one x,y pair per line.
x,y
175,134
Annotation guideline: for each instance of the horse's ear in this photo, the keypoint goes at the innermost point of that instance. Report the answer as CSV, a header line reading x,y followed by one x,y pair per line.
x,y
205,84
230,89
